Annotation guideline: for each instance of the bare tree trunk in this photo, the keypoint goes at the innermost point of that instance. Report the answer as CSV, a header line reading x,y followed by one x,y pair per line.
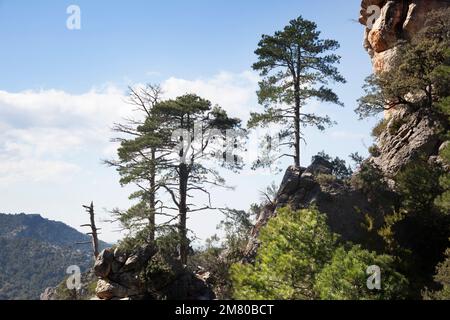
x,y
93,233
152,213
297,126
182,228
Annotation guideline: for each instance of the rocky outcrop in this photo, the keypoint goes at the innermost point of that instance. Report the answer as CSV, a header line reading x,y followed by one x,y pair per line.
x,y
61,292
48,294
394,20
147,274
408,135
344,205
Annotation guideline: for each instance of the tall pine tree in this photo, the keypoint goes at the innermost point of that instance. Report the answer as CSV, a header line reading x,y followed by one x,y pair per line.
x,y
296,66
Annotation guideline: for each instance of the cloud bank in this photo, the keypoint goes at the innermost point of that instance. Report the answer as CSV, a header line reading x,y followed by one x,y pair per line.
x,y
46,134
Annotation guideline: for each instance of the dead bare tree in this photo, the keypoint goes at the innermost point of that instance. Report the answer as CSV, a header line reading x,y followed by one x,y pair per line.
x,y
94,230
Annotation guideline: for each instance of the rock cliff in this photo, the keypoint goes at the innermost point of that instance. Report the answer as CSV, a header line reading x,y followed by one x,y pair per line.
x,y
407,136
394,20
345,204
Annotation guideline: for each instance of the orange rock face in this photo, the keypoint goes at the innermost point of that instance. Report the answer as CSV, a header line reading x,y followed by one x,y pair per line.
x,y
387,22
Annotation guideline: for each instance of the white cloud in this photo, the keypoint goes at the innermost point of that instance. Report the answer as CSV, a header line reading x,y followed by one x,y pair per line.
x,y
31,170
45,134
235,92
41,132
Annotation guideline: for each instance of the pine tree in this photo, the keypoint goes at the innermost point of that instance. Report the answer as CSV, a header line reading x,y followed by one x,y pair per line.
x,y
199,133
296,66
139,161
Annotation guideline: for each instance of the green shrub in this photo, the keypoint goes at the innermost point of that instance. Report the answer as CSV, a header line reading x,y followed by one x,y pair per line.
x,y
380,128
157,275
443,200
442,277
374,151
418,185
298,260
370,180
295,245
345,277
339,167
395,125
325,179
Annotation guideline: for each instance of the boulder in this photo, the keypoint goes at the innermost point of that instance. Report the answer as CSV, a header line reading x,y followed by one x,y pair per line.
x,y
319,166
48,294
290,180
120,255
108,290
140,258
102,265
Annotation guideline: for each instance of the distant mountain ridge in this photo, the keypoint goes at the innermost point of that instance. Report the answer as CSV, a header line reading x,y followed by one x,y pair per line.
x,y
35,253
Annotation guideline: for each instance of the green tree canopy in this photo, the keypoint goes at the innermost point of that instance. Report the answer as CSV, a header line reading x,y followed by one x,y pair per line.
x,y
295,245
299,259
199,133
345,277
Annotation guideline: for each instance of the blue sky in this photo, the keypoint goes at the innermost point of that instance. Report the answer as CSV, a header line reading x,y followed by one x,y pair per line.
x,y
61,90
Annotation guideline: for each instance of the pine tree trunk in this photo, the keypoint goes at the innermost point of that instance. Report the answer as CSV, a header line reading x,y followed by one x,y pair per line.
x,y
297,126
182,228
152,213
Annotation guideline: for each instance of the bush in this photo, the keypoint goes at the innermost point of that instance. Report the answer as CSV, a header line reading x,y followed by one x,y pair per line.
x,y
395,125
298,260
295,245
369,180
374,151
442,277
345,277
339,167
418,185
325,179
217,258
443,200
380,128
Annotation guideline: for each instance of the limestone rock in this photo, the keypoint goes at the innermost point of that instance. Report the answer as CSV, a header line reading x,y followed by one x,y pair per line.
x,y
342,204
107,290
48,294
398,20
146,274
61,292
290,179
120,255
102,265
408,135
137,260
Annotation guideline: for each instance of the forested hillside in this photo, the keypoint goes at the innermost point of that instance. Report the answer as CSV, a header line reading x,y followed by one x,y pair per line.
x,y
35,253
